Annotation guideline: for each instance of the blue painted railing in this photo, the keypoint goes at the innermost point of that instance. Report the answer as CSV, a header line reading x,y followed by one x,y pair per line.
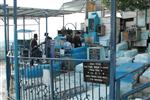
x,y
57,84
118,83
137,89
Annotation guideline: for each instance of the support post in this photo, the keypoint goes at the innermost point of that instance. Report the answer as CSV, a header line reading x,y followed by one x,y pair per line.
x,y
39,28
46,22
6,47
8,59
63,19
113,51
17,86
146,16
24,31
46,35
7,28
118,89
51,71
38,22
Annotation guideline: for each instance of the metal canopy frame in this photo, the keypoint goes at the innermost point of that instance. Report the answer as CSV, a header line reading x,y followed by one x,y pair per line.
x,y
79,5
35,12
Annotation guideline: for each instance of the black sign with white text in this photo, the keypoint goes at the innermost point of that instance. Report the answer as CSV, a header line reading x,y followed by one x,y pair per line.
x,y
96,72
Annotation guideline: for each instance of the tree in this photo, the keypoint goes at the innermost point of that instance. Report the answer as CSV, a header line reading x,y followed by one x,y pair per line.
x,y
125,5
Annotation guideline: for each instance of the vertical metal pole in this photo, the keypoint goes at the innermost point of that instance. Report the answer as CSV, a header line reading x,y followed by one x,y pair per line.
x,y
51,71
63,21
63,18
86,15
118,89
46,45
145,16
113,51
8,59
6,48
137,17
24,31
46,23
75,26
8,29
39,29
38,22
17,87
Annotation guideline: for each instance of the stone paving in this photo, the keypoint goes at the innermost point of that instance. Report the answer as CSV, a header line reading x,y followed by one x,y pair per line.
x,y
2,81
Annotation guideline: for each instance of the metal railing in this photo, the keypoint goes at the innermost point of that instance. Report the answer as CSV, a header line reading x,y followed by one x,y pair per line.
x,y
139,71
63,79
137,89
57,79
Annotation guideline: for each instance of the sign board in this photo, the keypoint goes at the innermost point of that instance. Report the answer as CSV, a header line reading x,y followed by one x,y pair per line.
x,y
96,72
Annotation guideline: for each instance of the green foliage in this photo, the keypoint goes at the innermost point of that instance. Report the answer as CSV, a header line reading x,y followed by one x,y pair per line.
x,y
124,5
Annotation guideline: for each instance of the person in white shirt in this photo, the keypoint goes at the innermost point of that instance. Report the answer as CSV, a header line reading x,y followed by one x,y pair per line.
x,y
67,46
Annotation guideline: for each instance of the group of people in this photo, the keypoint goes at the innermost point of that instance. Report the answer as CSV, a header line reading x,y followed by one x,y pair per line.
x,y
34,48
68,44
75,41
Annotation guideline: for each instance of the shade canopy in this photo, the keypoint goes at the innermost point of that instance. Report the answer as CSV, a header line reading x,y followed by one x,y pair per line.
x,y
34,12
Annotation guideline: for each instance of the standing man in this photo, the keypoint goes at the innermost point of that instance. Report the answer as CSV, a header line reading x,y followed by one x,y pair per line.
x,y
76,40
67,46
34,43
35,51
47,45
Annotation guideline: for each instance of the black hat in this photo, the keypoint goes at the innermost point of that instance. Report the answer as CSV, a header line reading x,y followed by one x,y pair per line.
x,y
78,32
46,34
35,35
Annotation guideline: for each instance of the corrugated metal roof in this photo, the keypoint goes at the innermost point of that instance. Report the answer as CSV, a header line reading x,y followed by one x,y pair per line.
x,y
79,5
76,5
67,8
35,12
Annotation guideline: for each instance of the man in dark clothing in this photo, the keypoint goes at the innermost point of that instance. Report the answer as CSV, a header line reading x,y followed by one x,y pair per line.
x,y
34,43
47,45
77,40
35,51
69,38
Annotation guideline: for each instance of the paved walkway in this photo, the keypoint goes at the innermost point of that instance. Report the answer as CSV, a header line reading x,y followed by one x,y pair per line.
x,y
2,81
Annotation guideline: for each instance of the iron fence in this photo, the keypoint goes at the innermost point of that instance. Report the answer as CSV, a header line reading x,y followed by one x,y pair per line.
x,y
137,88
57,79
63,79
